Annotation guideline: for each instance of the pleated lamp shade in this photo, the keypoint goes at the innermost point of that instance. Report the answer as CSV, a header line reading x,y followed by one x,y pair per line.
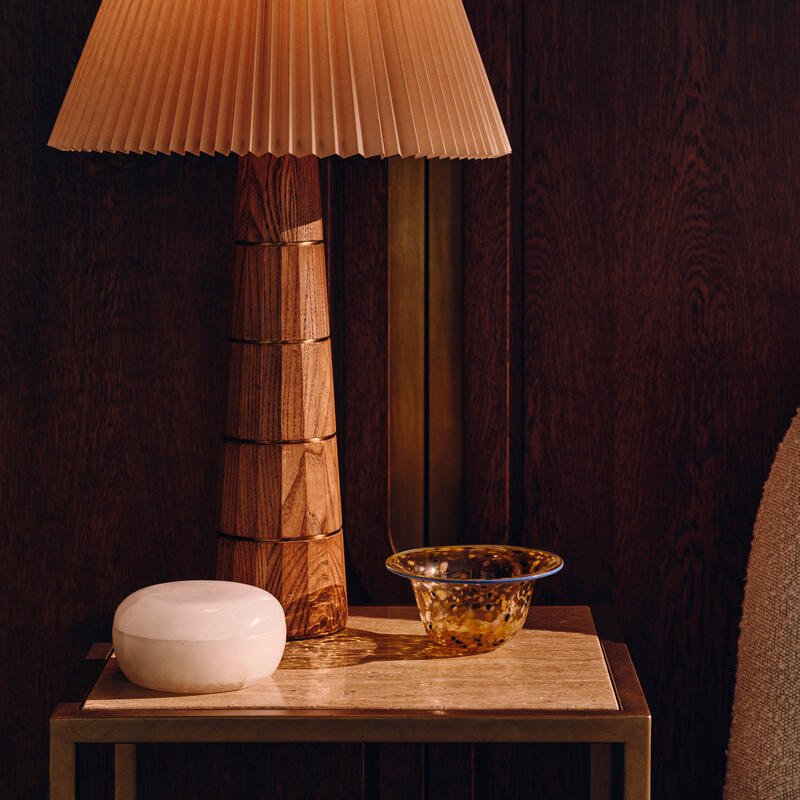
x,y
300,77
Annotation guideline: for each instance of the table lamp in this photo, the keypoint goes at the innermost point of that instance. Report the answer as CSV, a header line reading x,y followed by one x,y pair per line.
x,y
282,83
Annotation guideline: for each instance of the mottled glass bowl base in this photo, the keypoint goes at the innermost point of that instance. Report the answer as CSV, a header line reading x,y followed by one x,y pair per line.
x,y
465,618
473,598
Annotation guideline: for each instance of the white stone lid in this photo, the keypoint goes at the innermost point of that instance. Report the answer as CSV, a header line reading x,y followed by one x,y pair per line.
x,y
199,611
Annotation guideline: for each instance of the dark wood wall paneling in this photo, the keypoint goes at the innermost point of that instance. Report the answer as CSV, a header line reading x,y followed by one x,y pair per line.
x,y
112,321
632,355
114,298
660,344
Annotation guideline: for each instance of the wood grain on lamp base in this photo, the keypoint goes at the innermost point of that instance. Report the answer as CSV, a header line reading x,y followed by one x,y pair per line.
x,y
280,392
280,469
280,293
286,491
278,199
306,576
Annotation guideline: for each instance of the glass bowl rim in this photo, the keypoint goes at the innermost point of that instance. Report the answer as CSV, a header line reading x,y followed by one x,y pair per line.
x,y
531,576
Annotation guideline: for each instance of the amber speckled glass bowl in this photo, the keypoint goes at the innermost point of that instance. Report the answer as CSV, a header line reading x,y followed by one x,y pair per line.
x,y
473,597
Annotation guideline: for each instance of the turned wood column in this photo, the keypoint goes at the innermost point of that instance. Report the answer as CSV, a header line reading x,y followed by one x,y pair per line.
x,y
279,514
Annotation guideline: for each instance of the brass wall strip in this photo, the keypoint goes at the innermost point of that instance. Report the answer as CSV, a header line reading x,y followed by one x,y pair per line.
x,y
406,352
285,541
316,439
445,354
311,242
277,341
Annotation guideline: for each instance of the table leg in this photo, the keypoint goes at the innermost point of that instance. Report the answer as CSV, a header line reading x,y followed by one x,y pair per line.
x,y
124,772
62,766
600,770
637,768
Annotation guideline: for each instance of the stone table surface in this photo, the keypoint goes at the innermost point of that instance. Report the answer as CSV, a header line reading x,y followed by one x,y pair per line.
x,y
384,661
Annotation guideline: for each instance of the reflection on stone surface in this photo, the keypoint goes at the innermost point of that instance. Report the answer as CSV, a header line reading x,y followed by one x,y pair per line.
x,y
358,646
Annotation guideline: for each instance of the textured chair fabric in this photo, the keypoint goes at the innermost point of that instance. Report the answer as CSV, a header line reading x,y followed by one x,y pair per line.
x,y
764,747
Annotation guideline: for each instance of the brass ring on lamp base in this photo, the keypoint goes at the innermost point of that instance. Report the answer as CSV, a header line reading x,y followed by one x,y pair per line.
x,y
285,540
309,243
315,440
236,340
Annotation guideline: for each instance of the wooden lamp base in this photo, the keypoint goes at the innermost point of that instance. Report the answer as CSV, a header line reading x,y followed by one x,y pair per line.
x,y
279,513
306,576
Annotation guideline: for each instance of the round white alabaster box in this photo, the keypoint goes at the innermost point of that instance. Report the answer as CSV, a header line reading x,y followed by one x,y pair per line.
x,y
199,636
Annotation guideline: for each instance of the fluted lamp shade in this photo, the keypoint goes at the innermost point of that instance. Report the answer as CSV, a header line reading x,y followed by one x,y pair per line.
x,y
299,77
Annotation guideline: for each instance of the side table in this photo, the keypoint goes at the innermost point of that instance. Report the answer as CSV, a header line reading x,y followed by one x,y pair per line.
x,y
382,680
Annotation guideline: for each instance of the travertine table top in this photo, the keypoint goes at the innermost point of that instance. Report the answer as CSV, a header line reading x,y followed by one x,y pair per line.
x,y
383,661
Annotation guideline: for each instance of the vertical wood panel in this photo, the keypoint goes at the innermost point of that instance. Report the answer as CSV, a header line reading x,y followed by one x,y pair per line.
x,y
358,219
449,768
568,296
492,442
113,326
541,771
445,350
492,420
449,772
94,770
707,375
660,366
225,770
394,771
407,359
